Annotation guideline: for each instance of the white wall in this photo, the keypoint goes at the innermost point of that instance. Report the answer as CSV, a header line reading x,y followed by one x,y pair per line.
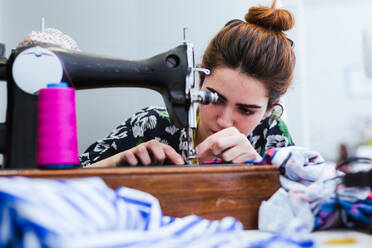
x,y
333,36
295,101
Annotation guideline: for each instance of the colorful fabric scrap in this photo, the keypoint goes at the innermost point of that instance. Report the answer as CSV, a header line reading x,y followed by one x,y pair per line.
x,y
314,186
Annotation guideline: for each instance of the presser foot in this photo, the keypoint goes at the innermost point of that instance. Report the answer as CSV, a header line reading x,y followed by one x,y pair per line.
x,y
190,152
191,158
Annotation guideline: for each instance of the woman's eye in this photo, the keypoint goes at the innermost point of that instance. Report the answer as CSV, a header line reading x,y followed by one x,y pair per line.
x,y
246,111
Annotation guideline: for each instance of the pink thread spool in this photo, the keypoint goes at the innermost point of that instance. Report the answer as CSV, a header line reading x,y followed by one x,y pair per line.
x,y
57,145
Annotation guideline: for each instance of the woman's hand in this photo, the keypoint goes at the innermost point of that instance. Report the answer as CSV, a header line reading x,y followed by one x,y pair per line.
x,y
149,153
228,144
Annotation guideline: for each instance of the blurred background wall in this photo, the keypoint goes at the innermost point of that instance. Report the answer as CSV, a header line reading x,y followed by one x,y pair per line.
x,y
338,92
325,106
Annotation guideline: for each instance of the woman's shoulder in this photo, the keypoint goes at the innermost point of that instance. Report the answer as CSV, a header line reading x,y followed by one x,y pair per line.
x,y
270,133
152,112
154,123
153,118
270,125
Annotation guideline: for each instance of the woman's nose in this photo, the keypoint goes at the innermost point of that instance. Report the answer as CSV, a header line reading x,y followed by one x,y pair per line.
x,y
225,118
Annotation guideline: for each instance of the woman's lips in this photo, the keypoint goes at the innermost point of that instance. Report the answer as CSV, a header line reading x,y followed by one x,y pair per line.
x,y
213,132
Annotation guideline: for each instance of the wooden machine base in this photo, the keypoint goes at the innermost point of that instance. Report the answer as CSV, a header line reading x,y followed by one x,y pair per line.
x,y
212,192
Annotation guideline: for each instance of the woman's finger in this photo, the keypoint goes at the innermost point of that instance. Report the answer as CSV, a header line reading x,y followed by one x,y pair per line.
x,y
224,143
129,158
142,154
173,156
206,146
244,157
232,153
157,151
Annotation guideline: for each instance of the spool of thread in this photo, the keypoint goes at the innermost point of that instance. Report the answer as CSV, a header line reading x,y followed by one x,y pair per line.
x,y
57,145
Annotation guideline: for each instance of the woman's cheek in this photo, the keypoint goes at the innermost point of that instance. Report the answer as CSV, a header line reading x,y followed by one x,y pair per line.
x,y
248,124
207,110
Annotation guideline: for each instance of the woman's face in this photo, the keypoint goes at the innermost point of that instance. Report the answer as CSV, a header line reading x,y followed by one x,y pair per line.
x,y
242,103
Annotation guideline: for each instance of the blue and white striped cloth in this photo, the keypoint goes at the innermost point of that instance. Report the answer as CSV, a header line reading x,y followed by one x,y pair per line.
x,y
86,213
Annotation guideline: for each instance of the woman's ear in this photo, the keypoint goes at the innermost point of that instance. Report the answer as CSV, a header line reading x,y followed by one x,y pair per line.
x,y
269,111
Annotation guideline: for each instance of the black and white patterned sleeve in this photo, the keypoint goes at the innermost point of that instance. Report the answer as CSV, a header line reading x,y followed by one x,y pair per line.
x,y
125,136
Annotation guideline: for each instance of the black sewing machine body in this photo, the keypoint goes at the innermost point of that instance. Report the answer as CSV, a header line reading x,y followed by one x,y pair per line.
x,y
166,73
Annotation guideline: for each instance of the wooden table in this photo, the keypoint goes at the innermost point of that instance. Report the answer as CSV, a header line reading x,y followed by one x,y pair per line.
x,y
212,192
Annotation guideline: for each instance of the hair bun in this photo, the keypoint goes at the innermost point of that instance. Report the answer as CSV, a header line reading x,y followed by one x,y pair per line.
x,y
270,18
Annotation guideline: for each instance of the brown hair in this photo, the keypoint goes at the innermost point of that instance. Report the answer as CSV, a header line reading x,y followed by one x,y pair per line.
x,y
258,47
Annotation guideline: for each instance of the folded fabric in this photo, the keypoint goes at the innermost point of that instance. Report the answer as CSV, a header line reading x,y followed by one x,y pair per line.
x,y
312,193
86,213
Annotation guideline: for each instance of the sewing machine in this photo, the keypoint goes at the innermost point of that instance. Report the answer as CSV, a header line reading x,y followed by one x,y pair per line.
x,y
31,68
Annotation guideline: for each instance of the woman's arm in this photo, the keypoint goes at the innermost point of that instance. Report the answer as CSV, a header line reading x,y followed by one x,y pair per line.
x,y
148,153
107,162
136,141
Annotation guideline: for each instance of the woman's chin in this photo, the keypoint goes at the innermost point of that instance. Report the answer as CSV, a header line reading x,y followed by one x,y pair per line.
x,y
212,132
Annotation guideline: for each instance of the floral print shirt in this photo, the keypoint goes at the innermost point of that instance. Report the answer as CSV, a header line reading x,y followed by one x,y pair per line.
x,y
155,123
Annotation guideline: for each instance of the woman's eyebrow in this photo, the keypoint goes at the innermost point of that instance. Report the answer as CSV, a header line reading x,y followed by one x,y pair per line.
x,y
248,105
239,104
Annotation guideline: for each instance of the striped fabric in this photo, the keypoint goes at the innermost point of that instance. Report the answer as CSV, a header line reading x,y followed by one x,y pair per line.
x,y
86,213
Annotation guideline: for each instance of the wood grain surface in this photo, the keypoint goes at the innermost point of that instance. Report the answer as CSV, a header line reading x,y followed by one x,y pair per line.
x,y
212,192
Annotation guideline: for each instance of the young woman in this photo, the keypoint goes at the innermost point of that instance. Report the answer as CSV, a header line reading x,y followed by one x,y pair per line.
x,y
251,64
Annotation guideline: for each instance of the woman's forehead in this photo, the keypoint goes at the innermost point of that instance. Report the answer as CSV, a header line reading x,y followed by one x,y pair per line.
x,y
227,81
